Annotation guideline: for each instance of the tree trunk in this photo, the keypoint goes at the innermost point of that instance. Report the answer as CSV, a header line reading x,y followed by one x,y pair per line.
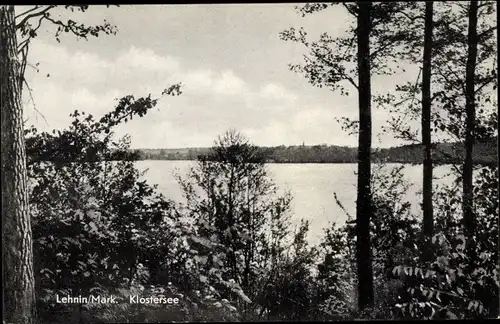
x,y
468,195
17,253
498,220
363,203
428,221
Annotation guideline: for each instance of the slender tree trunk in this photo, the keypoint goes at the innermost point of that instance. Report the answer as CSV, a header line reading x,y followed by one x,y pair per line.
x,y
468,195
498,193
428,222
17,246
363,203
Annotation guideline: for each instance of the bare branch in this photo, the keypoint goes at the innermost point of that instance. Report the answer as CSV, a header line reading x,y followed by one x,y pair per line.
x,y
484,4
25,43
450,100
328,63
33,101
32,66
461,84
412,18
489,30
350,9
81,30
22,45
415,87
23,66
27,11
40,13
485,83
457,85
381,48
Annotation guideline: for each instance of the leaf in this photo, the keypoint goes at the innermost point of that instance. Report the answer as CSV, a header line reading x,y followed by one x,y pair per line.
x,y
451,315
93,226
433,311
461,246
78,214
231,307
201,240
242,295
442,261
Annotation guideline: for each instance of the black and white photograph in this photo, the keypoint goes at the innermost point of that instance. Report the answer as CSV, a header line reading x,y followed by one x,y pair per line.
x,y
249,162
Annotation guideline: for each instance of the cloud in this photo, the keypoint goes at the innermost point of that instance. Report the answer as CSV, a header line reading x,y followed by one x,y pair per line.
x,y
212,101
135,69
276,91
229,84
146,60
198,81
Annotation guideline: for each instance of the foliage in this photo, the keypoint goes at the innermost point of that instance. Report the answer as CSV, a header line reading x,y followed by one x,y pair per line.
x,y
241,235
94,220
393,232
468,292
406,287
99,228
448,74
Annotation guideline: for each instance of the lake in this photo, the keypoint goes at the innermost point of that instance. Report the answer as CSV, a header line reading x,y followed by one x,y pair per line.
x,y
311,185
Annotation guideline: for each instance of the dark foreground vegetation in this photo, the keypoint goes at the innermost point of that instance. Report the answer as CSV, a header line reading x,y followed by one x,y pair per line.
x,y
78,220
229,252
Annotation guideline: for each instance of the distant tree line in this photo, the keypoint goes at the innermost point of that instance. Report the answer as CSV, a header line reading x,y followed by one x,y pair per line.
x,y
444,153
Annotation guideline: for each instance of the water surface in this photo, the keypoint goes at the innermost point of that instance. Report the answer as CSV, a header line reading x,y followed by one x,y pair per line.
x,y
311,185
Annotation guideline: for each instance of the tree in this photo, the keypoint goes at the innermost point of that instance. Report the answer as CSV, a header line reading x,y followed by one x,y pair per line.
x,y
428,222
19,304
29,22
17,253
449,56
498,218
241,224
95,222
465,42
470,120
364,196
331,63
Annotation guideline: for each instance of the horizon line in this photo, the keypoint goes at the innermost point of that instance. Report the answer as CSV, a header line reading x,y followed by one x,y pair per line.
x,y
273,146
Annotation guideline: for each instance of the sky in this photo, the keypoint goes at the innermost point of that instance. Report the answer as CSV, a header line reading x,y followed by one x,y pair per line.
x,y
230,59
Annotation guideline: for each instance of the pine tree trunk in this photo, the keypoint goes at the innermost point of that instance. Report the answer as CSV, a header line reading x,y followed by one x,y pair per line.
x,y
428,221
468,195
498,220
363,203
17,254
